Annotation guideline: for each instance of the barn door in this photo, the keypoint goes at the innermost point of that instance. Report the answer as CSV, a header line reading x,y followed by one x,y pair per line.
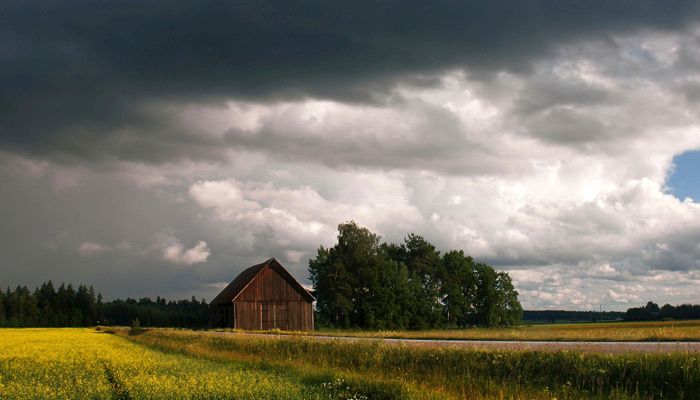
x,y
281,316
274,315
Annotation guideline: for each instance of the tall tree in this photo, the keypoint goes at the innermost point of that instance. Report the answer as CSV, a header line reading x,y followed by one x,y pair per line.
x,y
424,265
333,289
459,288
508,309
485,301
3,319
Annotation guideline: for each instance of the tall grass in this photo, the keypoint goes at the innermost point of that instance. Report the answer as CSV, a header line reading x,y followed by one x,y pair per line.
x,y
664,331
465,373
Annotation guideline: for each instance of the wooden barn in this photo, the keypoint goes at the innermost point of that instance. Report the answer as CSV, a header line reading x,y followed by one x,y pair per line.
x,y
264,296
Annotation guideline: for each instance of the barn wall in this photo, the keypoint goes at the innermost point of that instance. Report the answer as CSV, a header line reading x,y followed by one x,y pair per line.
x,y
269,286
269,302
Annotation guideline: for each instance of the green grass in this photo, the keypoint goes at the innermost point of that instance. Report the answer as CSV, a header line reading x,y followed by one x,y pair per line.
x,y
390,371
663,331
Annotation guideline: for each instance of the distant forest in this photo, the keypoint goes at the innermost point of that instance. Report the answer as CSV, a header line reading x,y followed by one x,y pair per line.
x,y
571,316
652,311
47,306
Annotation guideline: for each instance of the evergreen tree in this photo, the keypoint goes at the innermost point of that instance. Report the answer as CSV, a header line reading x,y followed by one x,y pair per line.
x,y
3,319
46,299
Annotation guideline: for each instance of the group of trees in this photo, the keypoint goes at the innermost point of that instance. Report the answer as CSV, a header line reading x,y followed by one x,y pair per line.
x,y
652,311
66,306
47,306
363,283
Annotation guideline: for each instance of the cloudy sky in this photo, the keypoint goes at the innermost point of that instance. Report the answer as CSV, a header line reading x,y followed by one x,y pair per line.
x,y
158,148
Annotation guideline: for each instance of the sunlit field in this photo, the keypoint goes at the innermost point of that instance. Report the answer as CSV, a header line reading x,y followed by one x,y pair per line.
x,y
85,364
120,363
664,331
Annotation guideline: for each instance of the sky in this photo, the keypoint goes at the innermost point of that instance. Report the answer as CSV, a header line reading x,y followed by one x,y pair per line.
x,y
684,178
159,148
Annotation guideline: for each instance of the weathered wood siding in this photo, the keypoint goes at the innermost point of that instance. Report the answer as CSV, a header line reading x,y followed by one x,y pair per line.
x,y
270,302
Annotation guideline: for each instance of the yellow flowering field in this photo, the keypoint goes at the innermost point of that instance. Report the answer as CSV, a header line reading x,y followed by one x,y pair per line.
x,y
86,364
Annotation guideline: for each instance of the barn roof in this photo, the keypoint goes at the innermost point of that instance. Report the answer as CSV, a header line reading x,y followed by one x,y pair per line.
x,y
243,279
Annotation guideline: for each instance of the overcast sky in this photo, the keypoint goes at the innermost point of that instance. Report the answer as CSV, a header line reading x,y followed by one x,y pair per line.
x,y
158,148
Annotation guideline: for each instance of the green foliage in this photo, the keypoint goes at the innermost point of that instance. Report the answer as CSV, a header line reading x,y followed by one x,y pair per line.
x,y
362,283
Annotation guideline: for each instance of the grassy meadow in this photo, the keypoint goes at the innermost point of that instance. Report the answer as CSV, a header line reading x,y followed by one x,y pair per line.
x,y
118,363
403,372
647,331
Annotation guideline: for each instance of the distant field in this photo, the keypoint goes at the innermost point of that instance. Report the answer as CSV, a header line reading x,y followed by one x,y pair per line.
x,y
182,364
663,331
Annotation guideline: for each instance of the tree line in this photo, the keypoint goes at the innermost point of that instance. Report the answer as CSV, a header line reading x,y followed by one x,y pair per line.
x,y
362,282
651,311
572,316
66,306
157,313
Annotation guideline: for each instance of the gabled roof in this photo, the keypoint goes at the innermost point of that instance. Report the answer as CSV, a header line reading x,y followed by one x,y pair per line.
x,y
243,279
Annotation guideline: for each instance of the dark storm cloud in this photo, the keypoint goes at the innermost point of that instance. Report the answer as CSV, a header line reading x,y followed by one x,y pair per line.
x,y
78,77
542,94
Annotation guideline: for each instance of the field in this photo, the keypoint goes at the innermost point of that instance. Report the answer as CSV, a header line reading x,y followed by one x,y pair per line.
x,y
86,364
652,331
173,364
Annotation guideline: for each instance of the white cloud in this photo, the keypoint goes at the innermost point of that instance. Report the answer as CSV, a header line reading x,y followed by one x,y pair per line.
x,y
87,249
90,249
175,252
294,256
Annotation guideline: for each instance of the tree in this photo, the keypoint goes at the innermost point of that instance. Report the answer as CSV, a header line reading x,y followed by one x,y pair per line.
x,y
332,288
652,308
508,310
485,301
424,265
46,299
459,288
3,320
